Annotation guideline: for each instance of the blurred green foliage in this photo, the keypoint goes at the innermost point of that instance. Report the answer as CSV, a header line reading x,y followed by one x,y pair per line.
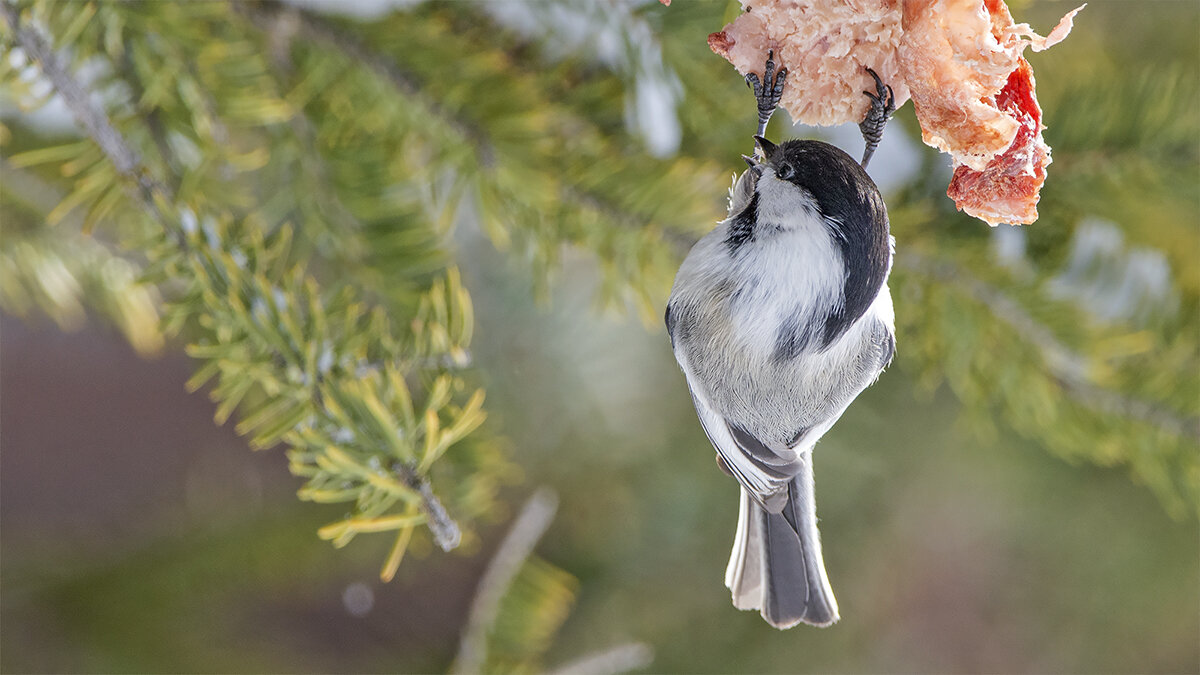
x,y
303,183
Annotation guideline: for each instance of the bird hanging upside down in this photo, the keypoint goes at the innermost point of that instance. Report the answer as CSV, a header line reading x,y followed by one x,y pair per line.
x,y
779,318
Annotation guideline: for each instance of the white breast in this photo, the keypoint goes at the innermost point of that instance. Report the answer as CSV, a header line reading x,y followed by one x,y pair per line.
x,y
793,271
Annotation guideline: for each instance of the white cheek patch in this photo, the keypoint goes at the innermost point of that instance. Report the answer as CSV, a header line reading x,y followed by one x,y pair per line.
x,y
784,204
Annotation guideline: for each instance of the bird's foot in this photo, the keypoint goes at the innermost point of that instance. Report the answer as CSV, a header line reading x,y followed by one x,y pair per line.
x,y
883,104
767,91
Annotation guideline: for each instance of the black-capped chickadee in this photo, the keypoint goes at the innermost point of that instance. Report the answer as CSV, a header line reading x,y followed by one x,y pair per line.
x,y
779,317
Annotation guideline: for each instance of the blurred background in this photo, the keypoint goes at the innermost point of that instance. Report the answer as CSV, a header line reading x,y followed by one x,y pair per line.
x,y
1018,492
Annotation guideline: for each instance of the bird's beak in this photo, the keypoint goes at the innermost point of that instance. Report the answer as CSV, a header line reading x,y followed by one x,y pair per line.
x,y
767,148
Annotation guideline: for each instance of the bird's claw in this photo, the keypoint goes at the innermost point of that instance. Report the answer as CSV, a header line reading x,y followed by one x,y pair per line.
x,y
767,91
883,104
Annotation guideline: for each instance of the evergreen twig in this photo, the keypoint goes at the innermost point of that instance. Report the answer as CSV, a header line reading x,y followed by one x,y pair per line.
x,y
312,28
1069,368
445,530
321,31
153,195
94,121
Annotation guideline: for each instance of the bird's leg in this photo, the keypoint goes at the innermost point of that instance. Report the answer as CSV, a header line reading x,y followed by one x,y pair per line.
x,y
883,104
767,91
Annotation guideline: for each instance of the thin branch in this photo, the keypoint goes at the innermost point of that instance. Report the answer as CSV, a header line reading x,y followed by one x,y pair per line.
x,y
445,531
528,529
1061,359
88,115
1067,366
1109,401
92,118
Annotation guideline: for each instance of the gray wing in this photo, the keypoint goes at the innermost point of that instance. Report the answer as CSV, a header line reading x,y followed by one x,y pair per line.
x,y
878,349
764,472
765,469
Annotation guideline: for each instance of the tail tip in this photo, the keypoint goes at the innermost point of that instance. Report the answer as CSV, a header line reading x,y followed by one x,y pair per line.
x,y
821,617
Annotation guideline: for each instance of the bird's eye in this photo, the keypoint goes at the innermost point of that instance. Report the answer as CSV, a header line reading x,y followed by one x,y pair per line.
x,y
785,171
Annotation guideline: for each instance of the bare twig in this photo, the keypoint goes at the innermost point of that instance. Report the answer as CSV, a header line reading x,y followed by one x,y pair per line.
x,y
612,661
514,550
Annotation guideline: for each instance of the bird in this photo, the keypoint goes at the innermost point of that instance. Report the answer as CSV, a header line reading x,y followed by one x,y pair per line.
x,y
779,317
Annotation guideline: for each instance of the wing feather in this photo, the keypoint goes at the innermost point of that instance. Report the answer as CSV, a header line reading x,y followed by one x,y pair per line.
x,y
764,471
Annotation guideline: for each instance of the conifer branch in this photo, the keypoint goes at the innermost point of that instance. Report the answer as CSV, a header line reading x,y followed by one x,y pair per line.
x,y
154,121
445,531
281,30
264,14
33,190
679,242
102,279
1068,367
153,196
150,192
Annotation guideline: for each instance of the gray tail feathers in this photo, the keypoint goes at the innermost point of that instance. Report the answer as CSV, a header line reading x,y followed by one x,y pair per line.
x,y
776,564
